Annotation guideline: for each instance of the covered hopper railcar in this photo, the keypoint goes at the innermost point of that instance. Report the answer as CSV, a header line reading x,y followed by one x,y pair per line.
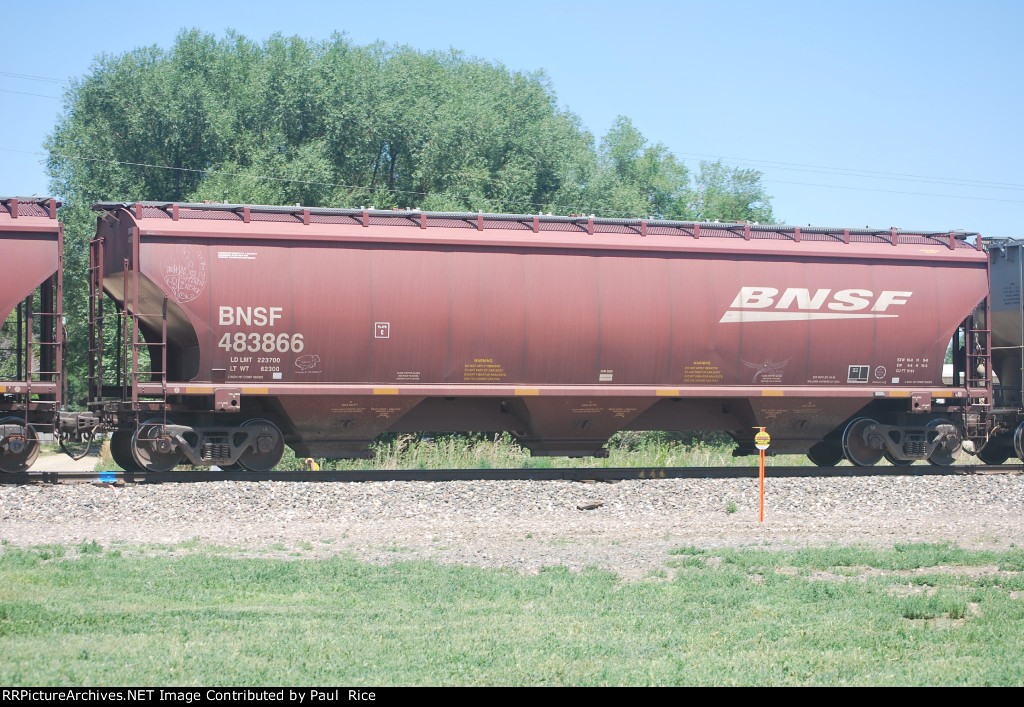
x,y
242,329
1006,436
31,335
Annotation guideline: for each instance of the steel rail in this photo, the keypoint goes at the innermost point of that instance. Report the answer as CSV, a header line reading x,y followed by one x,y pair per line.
x,y
569,474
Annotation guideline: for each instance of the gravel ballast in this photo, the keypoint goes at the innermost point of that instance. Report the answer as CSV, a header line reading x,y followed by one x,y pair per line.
x,y
627,527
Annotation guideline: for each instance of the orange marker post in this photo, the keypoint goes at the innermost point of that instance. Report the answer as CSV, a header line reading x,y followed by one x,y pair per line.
x,y
762,440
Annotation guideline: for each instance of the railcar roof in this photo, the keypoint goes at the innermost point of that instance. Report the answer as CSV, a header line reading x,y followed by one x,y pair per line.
x,y
405,214
15,206
537,223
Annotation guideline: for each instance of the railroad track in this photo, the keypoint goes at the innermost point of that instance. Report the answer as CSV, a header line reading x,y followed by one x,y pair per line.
x,y
573,474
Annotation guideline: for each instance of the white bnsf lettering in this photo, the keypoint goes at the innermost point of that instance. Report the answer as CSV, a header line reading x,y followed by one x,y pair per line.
x,y
250,316
890,297
851,300
802,298
237,340
755,297
765,304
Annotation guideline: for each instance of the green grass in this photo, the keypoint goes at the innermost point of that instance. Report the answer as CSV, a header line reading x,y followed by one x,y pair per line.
x,y
501,451
88,615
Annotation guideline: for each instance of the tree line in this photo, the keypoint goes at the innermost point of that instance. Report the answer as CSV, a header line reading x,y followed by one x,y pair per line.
x,y
329,123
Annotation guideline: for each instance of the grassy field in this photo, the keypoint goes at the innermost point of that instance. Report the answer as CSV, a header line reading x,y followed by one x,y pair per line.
x,y
88,615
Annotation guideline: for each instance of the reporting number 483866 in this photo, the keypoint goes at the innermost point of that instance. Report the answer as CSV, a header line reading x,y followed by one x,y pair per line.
x,y
267,342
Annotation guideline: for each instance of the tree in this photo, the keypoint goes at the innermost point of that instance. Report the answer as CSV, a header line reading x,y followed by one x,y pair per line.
x,y
327,123
637,179
728,194
629,177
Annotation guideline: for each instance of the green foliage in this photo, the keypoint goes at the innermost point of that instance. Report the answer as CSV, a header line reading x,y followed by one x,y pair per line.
x,y
328,123
729,194
214,616
12,338
90,548
501,451
9,336
945,605
634,178
320,123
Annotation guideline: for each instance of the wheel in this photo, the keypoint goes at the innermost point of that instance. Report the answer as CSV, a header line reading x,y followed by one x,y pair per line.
x,y
827,453
268,449
896,462
1018,441
949,449
19,451
855,447
121,450
163,458
993,453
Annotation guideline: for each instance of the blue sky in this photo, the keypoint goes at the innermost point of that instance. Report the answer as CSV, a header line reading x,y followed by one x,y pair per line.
x,y
868,113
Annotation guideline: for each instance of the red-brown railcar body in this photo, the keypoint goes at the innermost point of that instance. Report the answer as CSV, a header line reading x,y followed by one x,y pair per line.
x,y
31,340
335,325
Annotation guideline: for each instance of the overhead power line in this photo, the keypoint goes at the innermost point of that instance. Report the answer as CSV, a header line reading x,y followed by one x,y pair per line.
x,y
532,205
267,178
26,93
860,173
30,77
894,191
734,161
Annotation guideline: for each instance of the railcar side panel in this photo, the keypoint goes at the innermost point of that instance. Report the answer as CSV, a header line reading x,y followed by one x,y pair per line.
x,y
353,315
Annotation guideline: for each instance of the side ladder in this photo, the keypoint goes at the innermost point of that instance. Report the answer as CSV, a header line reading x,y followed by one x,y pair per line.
x,y
978,374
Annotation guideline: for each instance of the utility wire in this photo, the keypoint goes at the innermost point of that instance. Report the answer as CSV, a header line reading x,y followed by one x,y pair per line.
x,y
736,161
370,190
26,93
861,173
30,77
263,177
894,191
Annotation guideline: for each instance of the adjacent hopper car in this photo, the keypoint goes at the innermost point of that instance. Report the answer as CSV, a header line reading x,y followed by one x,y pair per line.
x,y
1006,415
31,340
223,333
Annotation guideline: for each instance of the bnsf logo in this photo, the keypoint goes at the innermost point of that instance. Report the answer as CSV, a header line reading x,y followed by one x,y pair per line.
x,y
764,304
